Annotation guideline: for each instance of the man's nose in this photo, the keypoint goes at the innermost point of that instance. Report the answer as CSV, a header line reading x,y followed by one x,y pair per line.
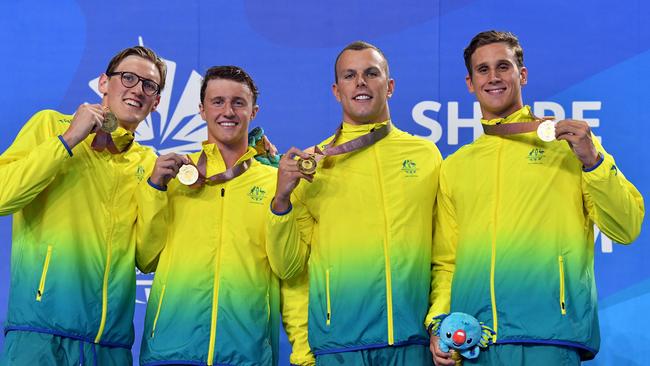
x,y
228,109
361,81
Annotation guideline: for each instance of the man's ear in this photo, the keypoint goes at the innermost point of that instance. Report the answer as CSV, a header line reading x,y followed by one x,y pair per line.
x,y
470,85
391,87
155,103
256,108
103,84
523,76
202,111
335,91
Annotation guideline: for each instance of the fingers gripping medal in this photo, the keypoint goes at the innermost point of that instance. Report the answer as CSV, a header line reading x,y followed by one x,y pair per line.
x,y
110,121
188,174
307,166
546,131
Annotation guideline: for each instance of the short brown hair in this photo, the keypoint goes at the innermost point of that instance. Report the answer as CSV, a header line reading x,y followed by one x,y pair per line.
x,y
145,53
489,37
359,46
234,73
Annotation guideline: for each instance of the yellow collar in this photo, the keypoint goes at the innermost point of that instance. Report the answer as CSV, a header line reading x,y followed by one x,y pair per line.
x,y
524,114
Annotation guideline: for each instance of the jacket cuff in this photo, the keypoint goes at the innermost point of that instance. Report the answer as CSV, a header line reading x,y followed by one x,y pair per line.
x,y
154,185
601,158
282,213
65,144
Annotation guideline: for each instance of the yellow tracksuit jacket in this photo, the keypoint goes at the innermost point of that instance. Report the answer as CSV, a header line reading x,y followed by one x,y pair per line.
x,y
514,237
363,228
215,300
74,232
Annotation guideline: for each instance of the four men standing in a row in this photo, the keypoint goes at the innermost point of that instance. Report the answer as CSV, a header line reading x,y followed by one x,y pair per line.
x,y
356,254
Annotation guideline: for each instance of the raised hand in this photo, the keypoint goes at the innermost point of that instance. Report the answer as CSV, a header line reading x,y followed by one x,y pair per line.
x,y
578,135
167,167
288,178
87,119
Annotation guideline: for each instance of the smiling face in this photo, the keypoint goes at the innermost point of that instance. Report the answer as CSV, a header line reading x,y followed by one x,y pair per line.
x,y
362,86
496,80
228,108
130,105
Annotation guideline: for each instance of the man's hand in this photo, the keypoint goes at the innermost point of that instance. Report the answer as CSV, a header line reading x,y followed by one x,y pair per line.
x,y
269,147
578,135
288,178
167,167
87,119
439,358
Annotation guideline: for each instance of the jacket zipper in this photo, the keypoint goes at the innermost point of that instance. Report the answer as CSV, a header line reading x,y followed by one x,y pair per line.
x,y
46,265
327,292
107,269
215,294
495,318
562,299
389,290
155,319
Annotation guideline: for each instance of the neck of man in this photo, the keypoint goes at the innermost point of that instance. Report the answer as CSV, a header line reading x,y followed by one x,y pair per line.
x,y
128,126
385,116
492,114
231,153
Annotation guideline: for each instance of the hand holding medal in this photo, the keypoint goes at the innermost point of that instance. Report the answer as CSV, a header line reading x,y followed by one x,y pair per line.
x,y
169,166
578,135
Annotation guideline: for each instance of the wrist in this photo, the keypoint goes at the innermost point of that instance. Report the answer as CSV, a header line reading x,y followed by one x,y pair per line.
x,y
70,139
592,161
156,185
599,159
280,205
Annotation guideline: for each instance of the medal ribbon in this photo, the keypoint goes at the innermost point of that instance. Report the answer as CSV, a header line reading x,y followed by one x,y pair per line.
x,y
228,174
352,145
514,128
104,141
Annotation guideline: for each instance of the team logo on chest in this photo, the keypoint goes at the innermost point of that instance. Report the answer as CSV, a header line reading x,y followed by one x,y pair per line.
x,y
257,194
139,172
409,167
535,156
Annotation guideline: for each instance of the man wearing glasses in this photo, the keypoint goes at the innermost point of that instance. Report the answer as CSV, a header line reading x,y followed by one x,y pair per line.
x,y
70,182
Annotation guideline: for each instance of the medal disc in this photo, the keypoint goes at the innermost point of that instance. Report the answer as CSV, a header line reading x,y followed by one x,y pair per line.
x,y
307,166
546,131
110,122
188,174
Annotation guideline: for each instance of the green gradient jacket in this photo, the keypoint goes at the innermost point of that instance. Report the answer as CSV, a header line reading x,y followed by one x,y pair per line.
x,y
214,299
514,236
74,232
364,226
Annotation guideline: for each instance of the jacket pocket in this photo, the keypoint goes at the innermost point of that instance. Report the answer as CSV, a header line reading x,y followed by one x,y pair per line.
x,y
562,285
46,265
327,292
155,319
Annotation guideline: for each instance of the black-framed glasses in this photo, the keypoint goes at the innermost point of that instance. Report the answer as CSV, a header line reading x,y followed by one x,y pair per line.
x,y
129,80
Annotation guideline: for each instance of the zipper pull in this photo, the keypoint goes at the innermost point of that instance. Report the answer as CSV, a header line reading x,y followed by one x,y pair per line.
x,y
223,192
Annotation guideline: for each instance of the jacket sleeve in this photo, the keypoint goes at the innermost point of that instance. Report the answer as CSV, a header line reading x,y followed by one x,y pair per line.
x,y
151,225
612,202
295,306
443,254
288,238
31,163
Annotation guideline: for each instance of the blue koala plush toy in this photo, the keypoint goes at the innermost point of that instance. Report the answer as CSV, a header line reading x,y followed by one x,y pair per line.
x,y
463,333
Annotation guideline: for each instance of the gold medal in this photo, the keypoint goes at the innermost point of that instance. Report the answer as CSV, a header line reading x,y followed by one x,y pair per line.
x,y
546,131
307,166
188,174
110,122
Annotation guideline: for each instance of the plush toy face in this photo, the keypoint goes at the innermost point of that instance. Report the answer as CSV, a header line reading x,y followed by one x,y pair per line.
x,y
460,331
